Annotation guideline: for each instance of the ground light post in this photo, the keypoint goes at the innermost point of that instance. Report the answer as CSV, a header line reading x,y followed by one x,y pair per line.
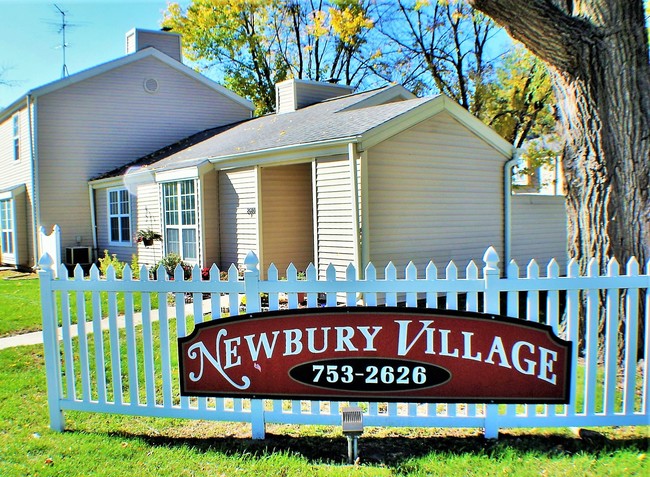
x,y
352,422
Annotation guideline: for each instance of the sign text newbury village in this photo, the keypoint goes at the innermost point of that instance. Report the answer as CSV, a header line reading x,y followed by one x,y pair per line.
x,y
376,354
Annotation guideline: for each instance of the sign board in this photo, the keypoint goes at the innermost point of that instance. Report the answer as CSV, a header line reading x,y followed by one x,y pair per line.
x,y
376,354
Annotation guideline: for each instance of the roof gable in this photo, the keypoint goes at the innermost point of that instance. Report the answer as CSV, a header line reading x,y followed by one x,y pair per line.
x,y
117,63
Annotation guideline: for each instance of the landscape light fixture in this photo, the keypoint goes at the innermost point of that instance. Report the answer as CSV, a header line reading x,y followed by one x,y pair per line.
x,y
352,422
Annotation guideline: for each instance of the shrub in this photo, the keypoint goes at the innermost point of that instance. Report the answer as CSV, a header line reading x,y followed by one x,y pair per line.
x,y
169,263
109,260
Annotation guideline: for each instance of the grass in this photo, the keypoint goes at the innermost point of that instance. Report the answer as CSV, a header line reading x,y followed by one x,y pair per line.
x,y
20,303
113,445
121,445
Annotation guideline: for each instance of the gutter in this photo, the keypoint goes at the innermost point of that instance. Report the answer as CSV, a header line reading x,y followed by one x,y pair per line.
x,y
220,160
352,157
33,151
507,206
93,218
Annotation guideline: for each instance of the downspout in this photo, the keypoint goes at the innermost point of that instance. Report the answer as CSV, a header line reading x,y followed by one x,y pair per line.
x,y
352,156
507,206
33,151
93,218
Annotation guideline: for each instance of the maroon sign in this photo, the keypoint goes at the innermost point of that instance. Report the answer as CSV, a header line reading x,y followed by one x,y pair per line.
x,y
376,354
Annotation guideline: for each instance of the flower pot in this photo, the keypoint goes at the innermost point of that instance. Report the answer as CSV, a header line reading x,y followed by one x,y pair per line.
x,y
147,242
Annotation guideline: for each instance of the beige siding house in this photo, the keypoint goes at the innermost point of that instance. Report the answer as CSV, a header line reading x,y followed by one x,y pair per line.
x,y
332,178
79,127
337,178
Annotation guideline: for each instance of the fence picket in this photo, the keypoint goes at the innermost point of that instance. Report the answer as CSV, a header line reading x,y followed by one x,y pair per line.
x,y
83,338
572,334
611,341
631,341
165,353
131,347
114,340
100,369
431,275
66,325
147,349
591,353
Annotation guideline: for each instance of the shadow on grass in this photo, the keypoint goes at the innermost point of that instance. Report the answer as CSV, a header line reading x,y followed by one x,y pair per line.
x,y
395,449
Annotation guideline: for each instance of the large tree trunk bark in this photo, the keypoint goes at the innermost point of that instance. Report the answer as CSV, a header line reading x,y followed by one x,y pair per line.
x,y
598,53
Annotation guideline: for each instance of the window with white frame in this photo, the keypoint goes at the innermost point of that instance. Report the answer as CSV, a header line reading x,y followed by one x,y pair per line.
x,y
119,217
6,227
16,137
181,235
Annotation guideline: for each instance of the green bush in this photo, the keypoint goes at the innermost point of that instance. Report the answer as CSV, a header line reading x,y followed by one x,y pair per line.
x,y
170,261
109,260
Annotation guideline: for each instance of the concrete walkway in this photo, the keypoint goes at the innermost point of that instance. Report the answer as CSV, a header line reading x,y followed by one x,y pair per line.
x,y
37,336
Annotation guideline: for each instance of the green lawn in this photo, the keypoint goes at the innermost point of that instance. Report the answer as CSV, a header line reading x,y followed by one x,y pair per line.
x,y
20,303
106,445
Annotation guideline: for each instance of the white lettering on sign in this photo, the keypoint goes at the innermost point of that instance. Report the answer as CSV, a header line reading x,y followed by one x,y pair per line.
x,y
232,352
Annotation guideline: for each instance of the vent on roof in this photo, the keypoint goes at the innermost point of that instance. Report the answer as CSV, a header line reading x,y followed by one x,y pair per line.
x,y
293,94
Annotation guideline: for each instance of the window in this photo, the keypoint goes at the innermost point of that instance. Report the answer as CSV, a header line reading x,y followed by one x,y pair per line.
x,y
179,200
6,227
119,217
16,137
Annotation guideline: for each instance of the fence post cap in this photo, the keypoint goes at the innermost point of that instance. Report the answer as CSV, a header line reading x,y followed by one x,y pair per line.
x,y
46,262
491,257
251,261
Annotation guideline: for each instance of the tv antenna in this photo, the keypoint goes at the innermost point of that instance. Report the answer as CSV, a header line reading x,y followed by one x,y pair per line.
x,y
64,45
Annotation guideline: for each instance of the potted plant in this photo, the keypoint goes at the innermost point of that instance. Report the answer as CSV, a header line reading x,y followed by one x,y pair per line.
x,y
147,237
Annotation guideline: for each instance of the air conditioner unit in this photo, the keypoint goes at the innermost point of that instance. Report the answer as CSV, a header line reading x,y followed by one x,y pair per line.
x,y
78,255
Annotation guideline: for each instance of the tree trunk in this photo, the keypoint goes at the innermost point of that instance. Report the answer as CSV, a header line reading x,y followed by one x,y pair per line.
x,y
598,55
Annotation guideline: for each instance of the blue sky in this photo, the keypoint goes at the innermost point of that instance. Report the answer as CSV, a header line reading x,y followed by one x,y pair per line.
x,y
30,52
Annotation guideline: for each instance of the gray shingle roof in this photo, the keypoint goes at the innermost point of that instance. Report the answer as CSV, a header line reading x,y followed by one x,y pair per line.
x,y
320,122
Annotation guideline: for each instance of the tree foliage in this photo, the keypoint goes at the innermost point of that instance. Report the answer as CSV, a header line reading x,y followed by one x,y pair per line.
x,y
258,43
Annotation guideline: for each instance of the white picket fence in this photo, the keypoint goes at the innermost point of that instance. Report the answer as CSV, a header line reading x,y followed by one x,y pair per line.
x,y
128,363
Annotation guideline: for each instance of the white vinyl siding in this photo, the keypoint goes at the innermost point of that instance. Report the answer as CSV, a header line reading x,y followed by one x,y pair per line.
x,y
539,229
334,217
238,212
287,216
181,219
95,125
119,217
148,214
435,193
17,174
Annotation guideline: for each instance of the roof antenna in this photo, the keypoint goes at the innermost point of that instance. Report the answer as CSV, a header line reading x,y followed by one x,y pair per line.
x,y
64,45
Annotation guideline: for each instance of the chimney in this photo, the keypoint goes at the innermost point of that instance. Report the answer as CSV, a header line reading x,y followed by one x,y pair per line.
x,y
164,41
293,94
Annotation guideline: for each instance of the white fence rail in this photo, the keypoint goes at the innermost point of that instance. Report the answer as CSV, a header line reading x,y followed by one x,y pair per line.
x,y
128,364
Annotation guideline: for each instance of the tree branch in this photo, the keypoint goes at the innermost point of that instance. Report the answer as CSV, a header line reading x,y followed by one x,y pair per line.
x,y
546,29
